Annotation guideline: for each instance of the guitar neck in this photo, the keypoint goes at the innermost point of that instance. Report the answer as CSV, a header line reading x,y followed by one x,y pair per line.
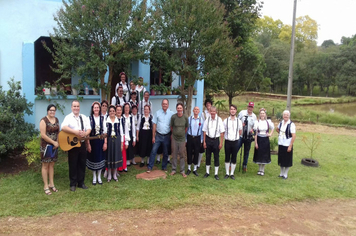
x,y
93,137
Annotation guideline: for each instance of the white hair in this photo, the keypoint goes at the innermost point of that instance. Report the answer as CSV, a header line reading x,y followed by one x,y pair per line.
x,y
286,111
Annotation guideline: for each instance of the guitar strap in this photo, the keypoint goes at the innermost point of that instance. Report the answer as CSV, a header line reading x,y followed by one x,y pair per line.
x,y
81,122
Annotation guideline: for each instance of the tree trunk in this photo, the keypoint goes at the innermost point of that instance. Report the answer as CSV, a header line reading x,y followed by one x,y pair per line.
x,y
230,98
189,100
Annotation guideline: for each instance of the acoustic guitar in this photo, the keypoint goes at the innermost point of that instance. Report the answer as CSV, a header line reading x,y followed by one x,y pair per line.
x,y
68,141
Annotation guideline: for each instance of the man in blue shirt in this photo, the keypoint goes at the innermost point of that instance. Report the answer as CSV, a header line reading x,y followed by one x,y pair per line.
x,y
161,134
194,140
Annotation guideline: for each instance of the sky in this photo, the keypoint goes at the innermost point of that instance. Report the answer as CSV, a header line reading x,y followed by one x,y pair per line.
x,y
335,18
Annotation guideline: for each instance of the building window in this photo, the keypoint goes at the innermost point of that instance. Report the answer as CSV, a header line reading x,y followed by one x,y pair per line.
x,y
44,62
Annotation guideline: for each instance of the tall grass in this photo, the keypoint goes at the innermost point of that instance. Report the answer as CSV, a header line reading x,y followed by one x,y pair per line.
x,y
22,194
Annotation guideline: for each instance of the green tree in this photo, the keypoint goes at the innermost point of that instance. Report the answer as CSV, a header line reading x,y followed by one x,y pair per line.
x,y
95,37
191,37
306,33
245,68
267,30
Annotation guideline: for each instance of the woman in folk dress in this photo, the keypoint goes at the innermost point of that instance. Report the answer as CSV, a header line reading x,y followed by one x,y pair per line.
x,y
264,129
286,138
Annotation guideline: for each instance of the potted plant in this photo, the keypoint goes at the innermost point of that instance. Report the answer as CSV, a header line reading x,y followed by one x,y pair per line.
x,y
163,89
169,91
155,90
312,144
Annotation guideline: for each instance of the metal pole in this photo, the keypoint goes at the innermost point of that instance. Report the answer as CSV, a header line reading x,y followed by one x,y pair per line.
x,y
290,76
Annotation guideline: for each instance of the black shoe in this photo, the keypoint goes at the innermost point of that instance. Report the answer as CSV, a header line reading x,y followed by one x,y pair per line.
x,y
226,176
280,176
168,162
206,175
188,172
94,183
158,162
100,183
216,177
83,186
232,177
285,177
72,188
142,164
195,173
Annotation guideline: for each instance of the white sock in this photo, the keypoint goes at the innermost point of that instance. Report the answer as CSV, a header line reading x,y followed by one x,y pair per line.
x,y
216,170
109,173
263,167
128,162
260,168
115,173
286,171
99,176
125,169
199,158
195,167
158,158
133,161
94,176
106,173
227,167
282,171
189,167
142,160
233,167
207,169
169,159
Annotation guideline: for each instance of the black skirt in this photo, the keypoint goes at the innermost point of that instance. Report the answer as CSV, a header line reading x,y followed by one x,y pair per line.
x,y
262,155
285,159
96,159
114,155
145,143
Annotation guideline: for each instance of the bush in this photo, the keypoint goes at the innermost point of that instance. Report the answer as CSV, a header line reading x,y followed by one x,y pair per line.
x,y
14,131
32,150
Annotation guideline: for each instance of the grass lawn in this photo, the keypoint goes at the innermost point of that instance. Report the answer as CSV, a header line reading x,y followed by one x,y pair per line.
x,y
22,194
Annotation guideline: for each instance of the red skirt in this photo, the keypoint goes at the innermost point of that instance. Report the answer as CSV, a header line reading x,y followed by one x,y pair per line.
x,y
124,165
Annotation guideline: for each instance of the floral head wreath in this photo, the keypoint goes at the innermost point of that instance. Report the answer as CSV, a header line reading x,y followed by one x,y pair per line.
x,y
262,109
122,73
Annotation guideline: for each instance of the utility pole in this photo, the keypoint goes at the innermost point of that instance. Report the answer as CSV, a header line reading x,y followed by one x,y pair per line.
x,y
290,75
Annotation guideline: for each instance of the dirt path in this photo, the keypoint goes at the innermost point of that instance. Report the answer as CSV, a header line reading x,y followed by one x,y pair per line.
x,y
329,217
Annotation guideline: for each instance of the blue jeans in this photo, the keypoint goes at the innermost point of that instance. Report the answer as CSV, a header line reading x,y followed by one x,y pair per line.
x,y
247,147
159,140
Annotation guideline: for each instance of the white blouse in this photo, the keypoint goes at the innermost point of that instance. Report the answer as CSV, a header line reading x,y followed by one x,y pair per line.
x,y
262,127
112,132
282,139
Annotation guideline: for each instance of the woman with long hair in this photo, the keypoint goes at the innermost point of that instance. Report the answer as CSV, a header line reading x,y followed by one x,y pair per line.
x,y
49,128
96,147
264,129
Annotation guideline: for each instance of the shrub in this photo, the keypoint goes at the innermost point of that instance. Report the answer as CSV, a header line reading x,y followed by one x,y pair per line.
x,y
14,131
32,150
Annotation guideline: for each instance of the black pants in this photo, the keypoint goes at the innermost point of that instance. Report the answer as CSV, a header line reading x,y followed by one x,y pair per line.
x,y
247,147
212,146
77,163
231,148
193,148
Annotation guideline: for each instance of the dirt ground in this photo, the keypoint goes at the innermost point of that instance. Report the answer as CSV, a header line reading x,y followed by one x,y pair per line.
x,y
329,217
324,217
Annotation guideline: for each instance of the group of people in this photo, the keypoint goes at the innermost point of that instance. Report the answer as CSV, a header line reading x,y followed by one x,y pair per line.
x,y
131,130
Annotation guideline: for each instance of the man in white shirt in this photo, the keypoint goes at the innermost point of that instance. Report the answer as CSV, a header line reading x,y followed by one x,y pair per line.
x,y
145,102
233,130
213,131
248,119
77,124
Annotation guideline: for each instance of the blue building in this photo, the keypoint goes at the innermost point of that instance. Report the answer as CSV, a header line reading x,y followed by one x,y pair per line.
x,y
23,25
